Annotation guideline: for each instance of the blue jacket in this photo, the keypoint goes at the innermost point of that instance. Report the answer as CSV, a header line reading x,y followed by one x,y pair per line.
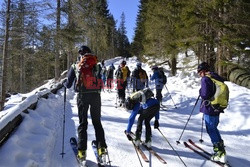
x,y
71,78
158,80
207,91
138,107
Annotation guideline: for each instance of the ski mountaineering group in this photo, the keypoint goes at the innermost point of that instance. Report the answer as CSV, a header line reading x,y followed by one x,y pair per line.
x,y
89,78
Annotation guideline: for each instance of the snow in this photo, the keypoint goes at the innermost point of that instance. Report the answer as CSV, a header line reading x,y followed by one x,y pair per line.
x,y
37,142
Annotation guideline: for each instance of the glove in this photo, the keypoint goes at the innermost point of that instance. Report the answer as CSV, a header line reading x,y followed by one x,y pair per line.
x,y
128,136
156,124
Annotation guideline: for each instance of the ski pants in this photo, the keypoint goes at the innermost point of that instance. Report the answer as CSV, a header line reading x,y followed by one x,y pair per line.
x,y
146,115
158,93
121,91
211,123
84,101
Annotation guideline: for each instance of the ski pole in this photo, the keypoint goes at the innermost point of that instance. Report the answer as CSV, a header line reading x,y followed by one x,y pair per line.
x,y
202,122
137,153
108,157
170,96
63,122
116,101
178,142
171,147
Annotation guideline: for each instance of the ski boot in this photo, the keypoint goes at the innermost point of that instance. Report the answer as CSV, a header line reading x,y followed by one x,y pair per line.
x,y
219,153
102,153
148,143
81,156
137,139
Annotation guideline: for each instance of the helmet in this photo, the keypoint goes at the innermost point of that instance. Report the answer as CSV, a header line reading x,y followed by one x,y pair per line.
x,y
154,67
203,66
123,62
84,49
129,103
138,64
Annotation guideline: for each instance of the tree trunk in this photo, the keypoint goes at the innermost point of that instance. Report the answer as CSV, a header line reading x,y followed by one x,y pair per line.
x,y
57,39
173,65
5,55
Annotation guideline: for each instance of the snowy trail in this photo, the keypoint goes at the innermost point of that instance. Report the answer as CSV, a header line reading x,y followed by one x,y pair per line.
x,y
37,142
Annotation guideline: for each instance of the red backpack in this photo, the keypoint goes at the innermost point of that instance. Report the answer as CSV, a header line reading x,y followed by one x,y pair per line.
x,y
86,74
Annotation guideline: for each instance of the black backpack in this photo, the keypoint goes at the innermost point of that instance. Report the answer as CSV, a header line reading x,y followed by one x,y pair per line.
x,y
162,76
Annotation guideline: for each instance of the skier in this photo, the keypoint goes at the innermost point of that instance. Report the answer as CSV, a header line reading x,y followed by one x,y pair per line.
x,y
110,75
103,72
143,103
158,82
139,78
211,115
87,96
122,75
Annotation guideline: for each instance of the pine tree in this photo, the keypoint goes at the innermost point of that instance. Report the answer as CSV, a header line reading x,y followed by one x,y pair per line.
x,y
123,43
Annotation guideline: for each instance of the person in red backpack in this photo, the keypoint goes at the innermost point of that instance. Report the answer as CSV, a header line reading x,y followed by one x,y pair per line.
x,y
85,76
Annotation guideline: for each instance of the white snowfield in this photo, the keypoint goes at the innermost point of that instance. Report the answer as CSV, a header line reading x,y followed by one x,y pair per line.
x,y
37,142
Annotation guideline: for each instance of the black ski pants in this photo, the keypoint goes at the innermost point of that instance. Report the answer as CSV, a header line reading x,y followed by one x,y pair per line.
x,y
121,91
84,101
158,93
146,115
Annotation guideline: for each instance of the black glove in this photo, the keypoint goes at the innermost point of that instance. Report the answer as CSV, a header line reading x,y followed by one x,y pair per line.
x,y
156,124
128,135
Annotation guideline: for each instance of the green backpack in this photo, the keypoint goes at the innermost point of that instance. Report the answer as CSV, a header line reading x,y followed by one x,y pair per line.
x,y
221,96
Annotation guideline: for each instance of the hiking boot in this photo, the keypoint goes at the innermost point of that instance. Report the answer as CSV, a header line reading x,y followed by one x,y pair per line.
x,y
81,155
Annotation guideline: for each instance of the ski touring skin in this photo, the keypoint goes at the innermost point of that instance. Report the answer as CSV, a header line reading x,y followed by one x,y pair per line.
x,y
138,149
151,151
73,144
204,155
209,154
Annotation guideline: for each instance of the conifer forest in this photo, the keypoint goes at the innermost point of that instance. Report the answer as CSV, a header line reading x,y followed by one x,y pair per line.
x,y
39,39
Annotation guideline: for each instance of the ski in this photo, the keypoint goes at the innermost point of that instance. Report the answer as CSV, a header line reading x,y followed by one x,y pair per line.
x,y
138,149
73,144
102,162
204,155
163,109
209,154
151,151
155,154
